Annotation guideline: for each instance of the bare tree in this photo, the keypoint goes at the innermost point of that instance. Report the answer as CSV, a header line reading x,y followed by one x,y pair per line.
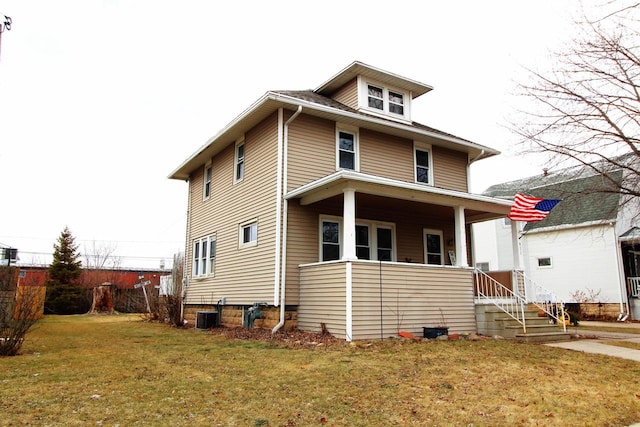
x,y
585,111
20,309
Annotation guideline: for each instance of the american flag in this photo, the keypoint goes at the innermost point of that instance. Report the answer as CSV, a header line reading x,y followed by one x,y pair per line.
x,y
531,209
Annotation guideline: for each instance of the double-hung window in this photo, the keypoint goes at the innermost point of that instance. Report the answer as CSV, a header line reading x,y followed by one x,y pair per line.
x,y
330,240
248,234
204,256
363,249
433,248
347,150
384,100
384,240
207,181
238,172
423,163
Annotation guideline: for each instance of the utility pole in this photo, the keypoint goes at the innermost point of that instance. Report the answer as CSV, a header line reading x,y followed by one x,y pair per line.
x,y
5,25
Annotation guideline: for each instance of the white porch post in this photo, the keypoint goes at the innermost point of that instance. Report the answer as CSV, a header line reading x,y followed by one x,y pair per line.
x,y
349,224
461,237
515,246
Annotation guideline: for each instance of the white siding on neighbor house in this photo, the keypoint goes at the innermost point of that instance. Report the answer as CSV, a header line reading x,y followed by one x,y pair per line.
x,y
582,259
485,244
242,275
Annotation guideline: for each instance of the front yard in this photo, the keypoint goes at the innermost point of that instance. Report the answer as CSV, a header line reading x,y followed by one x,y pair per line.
x,y
119,370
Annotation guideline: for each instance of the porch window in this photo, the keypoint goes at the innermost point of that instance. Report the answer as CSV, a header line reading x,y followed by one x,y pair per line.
x,y
362,242
204,255
347,150
238,174
207,182
330,240
423,163
385,243
433,247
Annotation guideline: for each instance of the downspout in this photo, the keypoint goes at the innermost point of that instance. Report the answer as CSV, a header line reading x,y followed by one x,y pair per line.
x,y
469,169
624,298
283,260
185,277
276,287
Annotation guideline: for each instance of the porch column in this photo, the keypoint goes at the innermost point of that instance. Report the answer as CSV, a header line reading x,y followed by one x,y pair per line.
x,y
515,246
349,225
461,237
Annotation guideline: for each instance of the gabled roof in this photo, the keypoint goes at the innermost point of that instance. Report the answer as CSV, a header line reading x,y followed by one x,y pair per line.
x,y
586,197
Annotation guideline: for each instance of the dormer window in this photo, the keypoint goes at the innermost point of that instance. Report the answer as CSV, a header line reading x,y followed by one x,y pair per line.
x,y
390,102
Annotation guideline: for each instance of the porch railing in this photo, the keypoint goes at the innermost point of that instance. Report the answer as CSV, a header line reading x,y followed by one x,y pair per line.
x,y
543,298
490,290
634,284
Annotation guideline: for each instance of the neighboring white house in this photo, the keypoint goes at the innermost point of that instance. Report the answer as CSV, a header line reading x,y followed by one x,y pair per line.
x,y
587,248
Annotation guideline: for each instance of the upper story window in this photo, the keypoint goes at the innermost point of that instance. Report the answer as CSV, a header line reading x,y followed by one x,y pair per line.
x,y
387,101
206,191
423,163
238,173
347,149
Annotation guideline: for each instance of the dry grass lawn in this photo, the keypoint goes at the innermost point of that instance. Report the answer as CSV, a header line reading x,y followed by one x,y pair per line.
x,y
121,371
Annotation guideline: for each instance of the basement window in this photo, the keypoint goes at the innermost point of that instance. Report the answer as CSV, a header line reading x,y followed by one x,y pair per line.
x,y
544,262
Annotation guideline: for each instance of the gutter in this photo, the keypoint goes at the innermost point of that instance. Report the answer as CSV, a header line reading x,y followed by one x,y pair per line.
x,y
621,281
285,204
185,277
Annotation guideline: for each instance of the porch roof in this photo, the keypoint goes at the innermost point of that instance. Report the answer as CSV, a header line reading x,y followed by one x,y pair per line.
x,y
477,207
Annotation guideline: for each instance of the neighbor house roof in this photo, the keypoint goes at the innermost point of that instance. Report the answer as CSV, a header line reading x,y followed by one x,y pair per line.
x,y
586,197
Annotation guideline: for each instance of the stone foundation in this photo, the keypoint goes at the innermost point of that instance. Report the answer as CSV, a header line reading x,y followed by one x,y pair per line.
x,y
232,316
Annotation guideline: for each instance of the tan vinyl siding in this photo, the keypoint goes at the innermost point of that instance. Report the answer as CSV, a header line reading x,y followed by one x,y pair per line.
x,y
412,297
348,94
246,275
312,150
386,155
323,298
449,169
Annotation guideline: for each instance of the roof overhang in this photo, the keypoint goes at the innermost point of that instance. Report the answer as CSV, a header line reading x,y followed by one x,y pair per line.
x,y
271,101
477,207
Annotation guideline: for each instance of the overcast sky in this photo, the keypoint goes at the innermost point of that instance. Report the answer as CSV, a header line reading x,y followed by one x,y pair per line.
x,y
101,100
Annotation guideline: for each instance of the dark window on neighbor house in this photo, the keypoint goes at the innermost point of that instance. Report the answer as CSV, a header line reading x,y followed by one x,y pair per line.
x,y
482,266
544,262
330,240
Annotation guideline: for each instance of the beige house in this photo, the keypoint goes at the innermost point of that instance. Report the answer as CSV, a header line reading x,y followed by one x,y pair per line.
x,y
334,209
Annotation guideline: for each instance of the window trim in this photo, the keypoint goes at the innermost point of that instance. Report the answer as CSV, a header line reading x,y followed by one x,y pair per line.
x,y
203,257
206,191
538,259
421,146
363,99
356,146
439,233
372,226
241,227
237,161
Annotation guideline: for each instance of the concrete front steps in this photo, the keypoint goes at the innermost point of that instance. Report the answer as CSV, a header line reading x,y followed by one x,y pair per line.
x,y
492,321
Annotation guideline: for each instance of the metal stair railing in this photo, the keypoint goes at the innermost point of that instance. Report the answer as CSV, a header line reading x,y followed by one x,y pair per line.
x,y
544,299
490,290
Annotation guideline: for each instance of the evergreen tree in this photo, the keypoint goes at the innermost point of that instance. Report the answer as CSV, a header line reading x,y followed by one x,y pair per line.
x,y
64,294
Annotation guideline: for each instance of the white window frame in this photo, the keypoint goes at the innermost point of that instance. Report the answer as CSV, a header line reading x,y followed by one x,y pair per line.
x,y
538,259
252,225
421,146
373,235
206,184
439,233
202,264
363,99
237,161
483,266
356,146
